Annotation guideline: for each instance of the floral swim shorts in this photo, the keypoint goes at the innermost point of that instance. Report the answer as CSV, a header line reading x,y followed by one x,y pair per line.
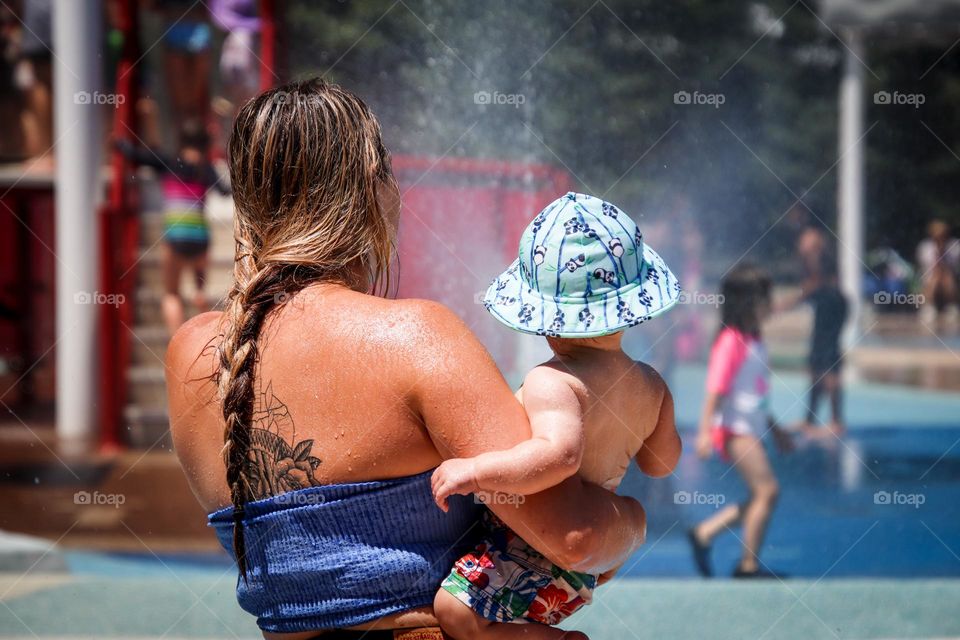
x,y
506,580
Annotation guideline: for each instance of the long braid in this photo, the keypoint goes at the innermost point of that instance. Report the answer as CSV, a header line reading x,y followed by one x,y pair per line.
x,y
250,304
306,165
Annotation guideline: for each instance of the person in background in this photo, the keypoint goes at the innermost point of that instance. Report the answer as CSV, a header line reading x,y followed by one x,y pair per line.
x,y
820,289
938,257
185,181
33,77
187,58
239,77
735,418
238,60
11,143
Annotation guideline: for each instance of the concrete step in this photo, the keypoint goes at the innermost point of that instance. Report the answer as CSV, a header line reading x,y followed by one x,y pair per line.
x,y
147,427
219,276
21,553
148,312
149,345
147,385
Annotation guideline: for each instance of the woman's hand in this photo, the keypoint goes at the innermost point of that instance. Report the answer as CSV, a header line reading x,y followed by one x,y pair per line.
x,y
454,477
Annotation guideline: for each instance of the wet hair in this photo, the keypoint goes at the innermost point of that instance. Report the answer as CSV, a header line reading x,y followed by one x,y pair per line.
x,y
742,291
306,163
193,135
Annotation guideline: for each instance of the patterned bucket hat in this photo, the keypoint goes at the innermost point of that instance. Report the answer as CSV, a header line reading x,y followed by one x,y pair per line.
x,y
583,271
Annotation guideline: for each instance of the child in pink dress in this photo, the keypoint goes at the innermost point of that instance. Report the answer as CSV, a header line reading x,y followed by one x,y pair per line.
x,y
736,416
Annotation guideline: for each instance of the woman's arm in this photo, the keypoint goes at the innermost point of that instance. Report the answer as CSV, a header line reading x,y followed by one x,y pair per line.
x,y
549,457
468,409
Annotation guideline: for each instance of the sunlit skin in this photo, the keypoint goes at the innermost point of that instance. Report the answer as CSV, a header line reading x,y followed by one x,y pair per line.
x,y
592,410
388,388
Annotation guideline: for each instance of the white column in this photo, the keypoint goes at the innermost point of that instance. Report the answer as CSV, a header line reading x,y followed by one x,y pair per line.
x,y
76,78
850,193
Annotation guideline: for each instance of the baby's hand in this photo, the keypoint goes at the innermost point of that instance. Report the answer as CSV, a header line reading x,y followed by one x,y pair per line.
x,y
454,477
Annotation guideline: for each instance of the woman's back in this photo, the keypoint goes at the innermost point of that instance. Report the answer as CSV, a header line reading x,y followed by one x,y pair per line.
x,y
334,395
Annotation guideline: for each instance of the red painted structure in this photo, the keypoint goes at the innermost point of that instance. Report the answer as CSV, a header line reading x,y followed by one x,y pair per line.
x,y
27,292
460,225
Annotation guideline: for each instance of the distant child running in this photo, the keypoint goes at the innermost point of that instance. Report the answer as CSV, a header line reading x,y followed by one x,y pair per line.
x,y
583,276
735,418
185,181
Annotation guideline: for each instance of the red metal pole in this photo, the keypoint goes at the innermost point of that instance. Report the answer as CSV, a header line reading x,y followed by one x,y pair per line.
x,y
119,242
268,43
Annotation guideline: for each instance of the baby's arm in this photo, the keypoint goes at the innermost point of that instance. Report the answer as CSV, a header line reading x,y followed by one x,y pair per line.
x,y
551,455
660,452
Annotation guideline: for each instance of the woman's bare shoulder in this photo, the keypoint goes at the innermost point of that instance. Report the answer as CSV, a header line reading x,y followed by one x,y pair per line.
x,y
193,342
436,332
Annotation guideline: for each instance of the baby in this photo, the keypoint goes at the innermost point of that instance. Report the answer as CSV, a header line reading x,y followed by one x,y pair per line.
x,y
583,276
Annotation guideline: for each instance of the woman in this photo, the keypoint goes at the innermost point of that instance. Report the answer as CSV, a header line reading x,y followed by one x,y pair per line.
x,y
331,406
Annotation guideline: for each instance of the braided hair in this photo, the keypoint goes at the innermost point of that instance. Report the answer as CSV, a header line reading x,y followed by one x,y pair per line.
x,y
306,163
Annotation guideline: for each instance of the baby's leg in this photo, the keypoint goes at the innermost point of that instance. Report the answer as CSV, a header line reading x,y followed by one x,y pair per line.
x,y
460,622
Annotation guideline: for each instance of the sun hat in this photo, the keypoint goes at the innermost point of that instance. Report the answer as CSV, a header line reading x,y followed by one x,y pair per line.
x,y
583,271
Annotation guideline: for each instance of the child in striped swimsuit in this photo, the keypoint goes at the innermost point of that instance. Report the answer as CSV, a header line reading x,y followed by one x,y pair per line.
x,y
184,180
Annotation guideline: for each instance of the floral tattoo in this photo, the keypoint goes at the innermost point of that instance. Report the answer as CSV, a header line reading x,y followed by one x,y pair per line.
x,y
274,465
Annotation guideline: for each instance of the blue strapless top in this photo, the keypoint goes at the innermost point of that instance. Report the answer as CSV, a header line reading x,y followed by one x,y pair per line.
x,y
344,554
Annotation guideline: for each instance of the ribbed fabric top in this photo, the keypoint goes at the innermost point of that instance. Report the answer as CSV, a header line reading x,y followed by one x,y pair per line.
x,y
344,554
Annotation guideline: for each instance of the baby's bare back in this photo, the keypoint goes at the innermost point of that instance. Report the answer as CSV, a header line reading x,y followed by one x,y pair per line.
x,y
620,402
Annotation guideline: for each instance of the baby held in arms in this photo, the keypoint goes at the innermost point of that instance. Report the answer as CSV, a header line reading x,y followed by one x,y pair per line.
x,y
583,276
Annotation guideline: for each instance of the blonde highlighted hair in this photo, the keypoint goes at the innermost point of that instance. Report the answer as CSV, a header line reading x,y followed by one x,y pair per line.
x,y
307,163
